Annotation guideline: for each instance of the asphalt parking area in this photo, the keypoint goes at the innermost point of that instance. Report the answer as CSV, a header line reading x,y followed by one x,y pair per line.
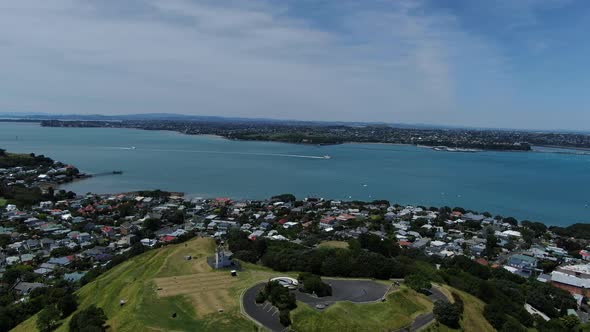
x,y
357,291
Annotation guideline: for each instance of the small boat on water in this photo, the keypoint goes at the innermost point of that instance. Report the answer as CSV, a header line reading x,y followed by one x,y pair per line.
x,y
327,157
132,148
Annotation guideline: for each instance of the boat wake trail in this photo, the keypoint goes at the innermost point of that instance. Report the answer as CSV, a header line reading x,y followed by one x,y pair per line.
x,y
117,148
284,155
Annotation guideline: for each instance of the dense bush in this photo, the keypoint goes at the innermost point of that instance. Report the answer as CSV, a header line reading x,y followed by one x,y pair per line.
x,y
579,231
447,313
418,282
90,319
48,319
280,297
313,284
54,303
260,297
285,317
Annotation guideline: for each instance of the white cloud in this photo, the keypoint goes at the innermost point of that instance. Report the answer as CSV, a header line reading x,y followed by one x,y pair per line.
x,y
239,58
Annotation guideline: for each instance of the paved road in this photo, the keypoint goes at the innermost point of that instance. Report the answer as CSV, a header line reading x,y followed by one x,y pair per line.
x,y
265,314
425,319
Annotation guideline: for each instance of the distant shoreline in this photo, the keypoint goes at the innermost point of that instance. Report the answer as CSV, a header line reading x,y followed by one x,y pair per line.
x,y
434,148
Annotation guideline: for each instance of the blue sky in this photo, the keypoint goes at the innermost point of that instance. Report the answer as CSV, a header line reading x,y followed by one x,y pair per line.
x,y
503,63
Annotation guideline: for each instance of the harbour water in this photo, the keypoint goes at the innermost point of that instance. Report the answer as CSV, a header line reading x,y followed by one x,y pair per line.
x,y
551,187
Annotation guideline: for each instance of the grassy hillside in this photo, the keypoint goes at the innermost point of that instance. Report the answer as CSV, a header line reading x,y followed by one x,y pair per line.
x,y
398,311
473,319
191,289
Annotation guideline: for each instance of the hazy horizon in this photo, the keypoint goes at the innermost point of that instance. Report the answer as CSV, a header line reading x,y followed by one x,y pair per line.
x,y
493,64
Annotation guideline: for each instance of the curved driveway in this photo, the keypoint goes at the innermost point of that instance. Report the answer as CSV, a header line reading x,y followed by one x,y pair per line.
x,y
265,314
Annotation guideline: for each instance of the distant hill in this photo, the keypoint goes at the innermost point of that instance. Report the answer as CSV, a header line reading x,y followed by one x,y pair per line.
x,y
31,116
200,118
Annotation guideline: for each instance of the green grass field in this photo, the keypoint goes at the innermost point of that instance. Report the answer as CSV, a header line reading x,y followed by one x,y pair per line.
x,y
334,244
398,311
3,202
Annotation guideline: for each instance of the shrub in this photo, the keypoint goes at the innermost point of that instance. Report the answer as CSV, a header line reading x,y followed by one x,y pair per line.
x,y
512,325
313,284
89,319
48,318
494,313
447,313
285,317
260,297
67,304
418,282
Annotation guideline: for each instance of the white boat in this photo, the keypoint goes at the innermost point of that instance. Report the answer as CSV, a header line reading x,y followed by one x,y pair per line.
x,y
327,157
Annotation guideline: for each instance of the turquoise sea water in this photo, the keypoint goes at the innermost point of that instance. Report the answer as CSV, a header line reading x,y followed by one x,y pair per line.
x,y
550,187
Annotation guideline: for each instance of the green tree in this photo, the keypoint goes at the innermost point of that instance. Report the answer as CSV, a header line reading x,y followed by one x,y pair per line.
x,y
510,220
528,236
537,227
67,304
285,317
92,318
512,325
313,284
418,282
260,297
494,313
491,245
48,318
23,272
285,197
151,224
447,314
4,240
570,322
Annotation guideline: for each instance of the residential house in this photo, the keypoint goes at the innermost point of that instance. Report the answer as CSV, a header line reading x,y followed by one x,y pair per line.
x,y
524,265
573,278
74,277
420,244
24,288
61,261
108,231
33,244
